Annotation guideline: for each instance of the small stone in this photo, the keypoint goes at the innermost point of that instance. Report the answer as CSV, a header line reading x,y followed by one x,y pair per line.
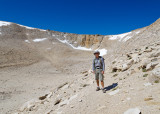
x,y
43,97
57,101
148,99
72,106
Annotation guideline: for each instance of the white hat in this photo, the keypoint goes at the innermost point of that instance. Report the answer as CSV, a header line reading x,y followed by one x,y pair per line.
x,y
96,52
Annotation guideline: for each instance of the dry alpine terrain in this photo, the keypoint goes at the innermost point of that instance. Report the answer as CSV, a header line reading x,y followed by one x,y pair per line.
x,y
49,72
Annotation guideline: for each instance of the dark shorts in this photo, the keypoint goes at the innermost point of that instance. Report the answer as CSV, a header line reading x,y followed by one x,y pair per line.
x,y
99,75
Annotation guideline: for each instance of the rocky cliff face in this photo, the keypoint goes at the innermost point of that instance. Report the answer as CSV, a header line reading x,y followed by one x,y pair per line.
x,y
88,41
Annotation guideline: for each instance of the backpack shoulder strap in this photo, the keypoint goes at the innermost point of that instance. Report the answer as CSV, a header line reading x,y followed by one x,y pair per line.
x,y
94,60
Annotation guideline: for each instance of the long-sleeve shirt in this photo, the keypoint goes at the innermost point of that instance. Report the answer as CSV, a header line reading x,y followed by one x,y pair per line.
x,y
98,63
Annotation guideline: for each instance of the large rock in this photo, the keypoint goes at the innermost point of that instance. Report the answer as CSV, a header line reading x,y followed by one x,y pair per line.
x,y
151,65
116,68
156,72
154,54
155,76
136,58
133,111
145,62
127,65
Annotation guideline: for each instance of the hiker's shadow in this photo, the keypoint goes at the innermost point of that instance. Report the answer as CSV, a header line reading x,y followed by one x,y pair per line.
x,y
111,86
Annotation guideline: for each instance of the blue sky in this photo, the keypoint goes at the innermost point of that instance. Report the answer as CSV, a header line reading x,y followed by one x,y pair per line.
x,y
82,16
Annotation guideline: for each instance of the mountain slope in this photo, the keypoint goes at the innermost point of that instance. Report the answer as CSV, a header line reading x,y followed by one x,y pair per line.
x,y
61,75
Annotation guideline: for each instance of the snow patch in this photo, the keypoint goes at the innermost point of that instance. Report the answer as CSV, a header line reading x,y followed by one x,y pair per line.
x,y
121,37
26,26
30,27
39,40
102,51
114,92
43,30
27,41
147,84
3,23
137,32
127,38
65,35
63,41
132,111
82,48
78,48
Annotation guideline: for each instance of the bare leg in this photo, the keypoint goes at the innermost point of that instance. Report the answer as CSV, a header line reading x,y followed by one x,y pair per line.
x,y
102,83
97,83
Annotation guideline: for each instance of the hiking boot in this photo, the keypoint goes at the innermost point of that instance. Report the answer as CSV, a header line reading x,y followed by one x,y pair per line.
x,y
97,89
104,91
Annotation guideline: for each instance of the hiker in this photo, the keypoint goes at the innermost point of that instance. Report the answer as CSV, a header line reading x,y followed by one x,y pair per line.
x,y
98,67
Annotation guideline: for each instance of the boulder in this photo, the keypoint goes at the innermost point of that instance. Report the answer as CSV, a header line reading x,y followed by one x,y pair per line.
x,y
155,76
151,65
116,68
28,105
145,62
154,54
136,58
127,65
148,49
131,72
133,111
156,72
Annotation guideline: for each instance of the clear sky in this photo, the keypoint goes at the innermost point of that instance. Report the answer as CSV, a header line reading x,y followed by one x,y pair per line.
x,y
82,16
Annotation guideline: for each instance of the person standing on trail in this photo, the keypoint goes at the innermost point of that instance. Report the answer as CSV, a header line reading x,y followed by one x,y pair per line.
x,y
98,67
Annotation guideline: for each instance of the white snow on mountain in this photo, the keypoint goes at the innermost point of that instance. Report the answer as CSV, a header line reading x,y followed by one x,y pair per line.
x,y
102,51
3,23
27,41
31,27
123,37
79,47
137,32
120,37
39,39
26,26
